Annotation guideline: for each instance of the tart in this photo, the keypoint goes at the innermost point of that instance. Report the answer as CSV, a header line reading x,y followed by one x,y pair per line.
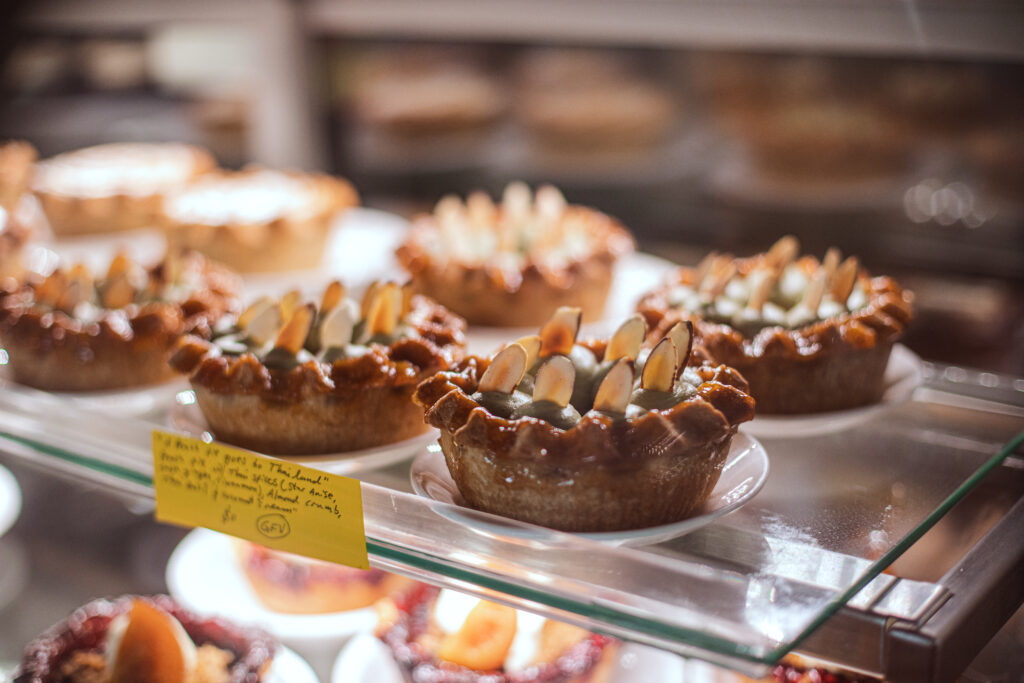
x,y
145,639
574,437
512,265
114,187
293,584
17,159
808,336
257,220
72,331
449,637
293,378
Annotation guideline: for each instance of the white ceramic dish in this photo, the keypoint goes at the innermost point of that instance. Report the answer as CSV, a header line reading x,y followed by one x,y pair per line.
x,y
127,401
10,500
367,660
288,667
902,376
186,416
743,475
204,576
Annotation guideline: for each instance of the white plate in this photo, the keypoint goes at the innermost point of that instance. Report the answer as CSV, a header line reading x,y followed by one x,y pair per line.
x,y
635,274
367,660
204,576
288,667
127,401
10,500
903,375
743,475
187,417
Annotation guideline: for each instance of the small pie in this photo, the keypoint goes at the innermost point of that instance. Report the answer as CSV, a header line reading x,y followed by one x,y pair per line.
x,y
257,220
288,377
293,584
73,331
449,637
17,160
152,639
512,265
114,187
808,336
588,437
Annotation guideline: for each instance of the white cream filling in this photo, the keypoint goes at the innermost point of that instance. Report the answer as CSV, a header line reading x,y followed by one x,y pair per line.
x,y
138,170
450,613
247,199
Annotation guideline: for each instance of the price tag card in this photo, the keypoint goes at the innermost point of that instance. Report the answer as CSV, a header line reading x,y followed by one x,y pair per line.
x,y
272,502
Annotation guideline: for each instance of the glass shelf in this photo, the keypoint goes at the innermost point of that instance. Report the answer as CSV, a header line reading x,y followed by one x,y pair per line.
x,y
837,509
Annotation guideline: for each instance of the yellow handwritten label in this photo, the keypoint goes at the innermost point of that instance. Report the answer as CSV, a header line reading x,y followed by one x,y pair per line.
x,y
271,502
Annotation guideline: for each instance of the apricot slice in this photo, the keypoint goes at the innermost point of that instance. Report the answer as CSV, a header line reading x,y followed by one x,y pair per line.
x,y
151,649
556,637
483,642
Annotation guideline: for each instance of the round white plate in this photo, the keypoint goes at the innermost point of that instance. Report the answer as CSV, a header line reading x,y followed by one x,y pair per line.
x,y
204,576
743,475
127,401
186,416
10,500
288,667
367,660
903,375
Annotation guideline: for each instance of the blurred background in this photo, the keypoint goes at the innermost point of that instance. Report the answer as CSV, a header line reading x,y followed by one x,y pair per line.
x,y
892,130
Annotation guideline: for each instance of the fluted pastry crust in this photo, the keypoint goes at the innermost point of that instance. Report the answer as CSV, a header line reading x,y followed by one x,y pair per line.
x,y
600,475
125,347
830,364
315,407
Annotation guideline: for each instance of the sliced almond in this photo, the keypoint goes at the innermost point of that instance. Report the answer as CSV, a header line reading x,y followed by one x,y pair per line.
x,y
615,389
550,203
830,263
703,268
762,282
660,369
559,333
715,283
482,212
783,252
681,335
384,310
289,303
554,381
51,289
815,291
505,370
120,266
626,341
532,345
517,199
369,297
845,279
118,293
263,320
450,214
333,295
407,294
79,287
336,329
292,336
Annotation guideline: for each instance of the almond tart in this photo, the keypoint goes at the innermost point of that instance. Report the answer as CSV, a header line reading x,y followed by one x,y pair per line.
x,y
73,331
292,584
152,639
292,378
582,437
445,636
257,220
114,187
513,264
808,335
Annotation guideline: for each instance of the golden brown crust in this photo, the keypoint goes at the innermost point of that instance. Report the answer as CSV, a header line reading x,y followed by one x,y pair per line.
x,y
352,404
488,295
16,164
830,364
72,214
286,242
600,475
49,349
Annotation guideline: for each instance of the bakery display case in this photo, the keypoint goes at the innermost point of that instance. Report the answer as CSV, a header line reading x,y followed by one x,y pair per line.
x,y
882,537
